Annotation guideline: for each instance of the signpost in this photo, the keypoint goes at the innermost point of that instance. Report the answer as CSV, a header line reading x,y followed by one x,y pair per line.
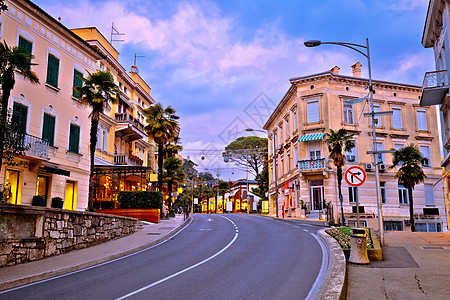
x,y
355,176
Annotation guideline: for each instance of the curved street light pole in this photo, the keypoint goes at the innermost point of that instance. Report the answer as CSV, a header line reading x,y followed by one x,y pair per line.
x,y
274,164
315,43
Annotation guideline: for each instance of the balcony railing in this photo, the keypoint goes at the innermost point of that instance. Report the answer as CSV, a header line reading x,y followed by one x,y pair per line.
x,y
127,118
312,164
37,146
127,159
434,88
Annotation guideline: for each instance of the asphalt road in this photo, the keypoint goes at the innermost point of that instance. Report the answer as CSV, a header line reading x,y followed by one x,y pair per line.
x,y
231,256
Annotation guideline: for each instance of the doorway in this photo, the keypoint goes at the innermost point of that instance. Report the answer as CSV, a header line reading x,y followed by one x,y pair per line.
x,y
12,182
70,201
316,195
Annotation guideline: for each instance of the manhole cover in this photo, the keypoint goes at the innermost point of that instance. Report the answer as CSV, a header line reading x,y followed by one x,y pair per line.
x,y
153,233
435,248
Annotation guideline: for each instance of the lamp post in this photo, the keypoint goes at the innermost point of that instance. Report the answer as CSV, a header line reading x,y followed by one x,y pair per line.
x,y
315,43
274,163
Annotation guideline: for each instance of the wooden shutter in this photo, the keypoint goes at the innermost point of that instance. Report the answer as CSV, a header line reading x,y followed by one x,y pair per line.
x,y
52,70
74,138
27,46
48,130
20,113
77,81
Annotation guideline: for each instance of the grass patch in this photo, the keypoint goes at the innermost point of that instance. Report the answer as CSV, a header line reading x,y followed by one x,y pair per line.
x,y
342,236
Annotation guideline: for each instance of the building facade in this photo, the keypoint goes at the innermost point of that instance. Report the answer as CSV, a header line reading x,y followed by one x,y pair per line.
x,y
435,83
56,127
306,178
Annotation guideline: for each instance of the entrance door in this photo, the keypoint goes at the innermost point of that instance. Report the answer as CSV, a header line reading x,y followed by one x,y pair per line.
x,y
12,187
316,194
70,201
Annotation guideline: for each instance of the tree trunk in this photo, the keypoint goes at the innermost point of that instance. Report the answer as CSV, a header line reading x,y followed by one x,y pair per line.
x,y
411,209
93,144
339,179
223,203
169,199
215,203
160,165
7,86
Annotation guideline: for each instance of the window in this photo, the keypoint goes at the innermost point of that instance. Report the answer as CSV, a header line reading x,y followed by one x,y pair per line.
x,y
275,140
19,118
376,108
282,166
314,154
289,161
52,70
393,225
402,194
429,194
105,139
77,81
287,127
295,119
99,138
397,118
421,120
281,132
352,194
295,156
383,192
74,138
351,155
380,155
28,47
425,151
428,227
48,129
348,113
312,111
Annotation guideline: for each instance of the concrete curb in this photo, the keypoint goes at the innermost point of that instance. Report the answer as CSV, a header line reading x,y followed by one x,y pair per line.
x,y
67,269
333,283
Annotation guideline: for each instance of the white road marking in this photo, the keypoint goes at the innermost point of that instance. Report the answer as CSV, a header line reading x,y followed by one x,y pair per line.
x,y
323,268
210,220
306,230
297,226
185,270
204,229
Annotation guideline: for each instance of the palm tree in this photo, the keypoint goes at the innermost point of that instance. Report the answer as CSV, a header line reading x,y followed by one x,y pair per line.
x,y
173,174
339,141
12,60
410,173
97,91
224,187
162,127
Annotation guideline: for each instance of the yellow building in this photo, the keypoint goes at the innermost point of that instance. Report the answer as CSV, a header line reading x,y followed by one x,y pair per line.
x,y
124,155
306,179
57,128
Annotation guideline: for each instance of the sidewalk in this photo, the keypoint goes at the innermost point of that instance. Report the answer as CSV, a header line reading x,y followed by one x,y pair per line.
x,y
75,260
416,265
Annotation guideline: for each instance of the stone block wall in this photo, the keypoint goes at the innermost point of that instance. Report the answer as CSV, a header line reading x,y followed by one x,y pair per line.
x,y
30,233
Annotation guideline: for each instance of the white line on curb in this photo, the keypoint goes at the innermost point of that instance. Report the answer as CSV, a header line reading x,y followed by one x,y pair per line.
x,y
323,268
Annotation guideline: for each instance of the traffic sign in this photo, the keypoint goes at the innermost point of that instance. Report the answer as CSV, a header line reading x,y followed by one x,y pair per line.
x,y
355,176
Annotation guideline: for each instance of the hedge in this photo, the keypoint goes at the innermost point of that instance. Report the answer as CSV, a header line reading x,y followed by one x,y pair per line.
x,y
140,199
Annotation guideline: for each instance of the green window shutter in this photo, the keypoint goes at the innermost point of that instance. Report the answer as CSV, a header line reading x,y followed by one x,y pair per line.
x,y
52,70
74,138
48,130
20,113
77,81
27,46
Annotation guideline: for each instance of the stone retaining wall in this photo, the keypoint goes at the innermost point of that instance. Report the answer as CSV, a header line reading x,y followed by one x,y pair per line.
x,y
30,233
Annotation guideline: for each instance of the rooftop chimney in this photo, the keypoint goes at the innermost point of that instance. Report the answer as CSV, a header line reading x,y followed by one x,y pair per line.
x,y
335,70
356,68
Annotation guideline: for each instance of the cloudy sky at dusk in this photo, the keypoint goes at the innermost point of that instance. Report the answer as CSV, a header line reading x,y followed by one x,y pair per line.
x,y
216,62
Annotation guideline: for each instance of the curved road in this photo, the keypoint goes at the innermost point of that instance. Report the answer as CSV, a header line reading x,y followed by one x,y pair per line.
x,y
231,256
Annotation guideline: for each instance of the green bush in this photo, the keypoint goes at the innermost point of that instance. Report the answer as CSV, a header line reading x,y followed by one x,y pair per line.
x,y
140,199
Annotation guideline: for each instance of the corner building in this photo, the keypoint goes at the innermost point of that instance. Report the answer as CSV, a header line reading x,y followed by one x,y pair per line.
x,y
307,183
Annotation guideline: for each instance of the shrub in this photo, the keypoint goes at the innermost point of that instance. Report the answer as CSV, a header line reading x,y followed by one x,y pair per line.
x,y
57,202
140,199
39,200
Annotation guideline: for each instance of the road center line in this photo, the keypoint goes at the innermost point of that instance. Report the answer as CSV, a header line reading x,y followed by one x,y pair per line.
x,y
185,270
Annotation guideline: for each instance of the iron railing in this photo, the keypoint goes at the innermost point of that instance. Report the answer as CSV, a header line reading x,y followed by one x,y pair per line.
x,y
126,117
37,146
126,159
435,79
312,164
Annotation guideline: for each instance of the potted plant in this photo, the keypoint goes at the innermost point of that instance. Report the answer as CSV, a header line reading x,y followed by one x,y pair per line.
x,y
57,202
39,200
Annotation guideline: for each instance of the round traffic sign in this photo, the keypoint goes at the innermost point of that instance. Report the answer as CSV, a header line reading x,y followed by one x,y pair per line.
x,y
355,176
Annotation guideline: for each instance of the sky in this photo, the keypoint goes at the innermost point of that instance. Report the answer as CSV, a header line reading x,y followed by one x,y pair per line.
x,y
225,65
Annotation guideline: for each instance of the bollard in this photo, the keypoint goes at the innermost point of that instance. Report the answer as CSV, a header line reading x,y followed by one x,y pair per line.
x,y
358,250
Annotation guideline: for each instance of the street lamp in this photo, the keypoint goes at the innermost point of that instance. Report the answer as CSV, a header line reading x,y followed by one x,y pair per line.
x,y
274,164
315,43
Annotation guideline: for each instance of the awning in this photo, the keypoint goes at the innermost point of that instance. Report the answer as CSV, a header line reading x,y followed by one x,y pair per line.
x,y
58,171
311,137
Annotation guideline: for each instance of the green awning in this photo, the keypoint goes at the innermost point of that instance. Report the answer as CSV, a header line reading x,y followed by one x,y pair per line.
x,y
311,137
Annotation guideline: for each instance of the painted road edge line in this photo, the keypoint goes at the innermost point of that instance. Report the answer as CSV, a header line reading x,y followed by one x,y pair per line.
x,y
323,269
184,270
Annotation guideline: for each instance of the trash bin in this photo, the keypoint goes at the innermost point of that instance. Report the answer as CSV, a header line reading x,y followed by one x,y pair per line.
x,y
358,250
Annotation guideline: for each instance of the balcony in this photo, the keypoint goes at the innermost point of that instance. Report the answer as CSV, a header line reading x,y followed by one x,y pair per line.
x,y
37,147
129,127
434,88
127,160
312,164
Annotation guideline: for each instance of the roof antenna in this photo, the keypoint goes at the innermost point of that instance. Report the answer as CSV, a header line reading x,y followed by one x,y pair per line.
x,y
134,67
115,32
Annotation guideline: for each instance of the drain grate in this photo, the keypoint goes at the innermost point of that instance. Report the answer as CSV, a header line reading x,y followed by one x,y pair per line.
x,y
431,248
153,233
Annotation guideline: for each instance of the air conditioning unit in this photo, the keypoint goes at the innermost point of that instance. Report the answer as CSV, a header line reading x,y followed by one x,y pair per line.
x,y
296,182
368,166
291,185
382,167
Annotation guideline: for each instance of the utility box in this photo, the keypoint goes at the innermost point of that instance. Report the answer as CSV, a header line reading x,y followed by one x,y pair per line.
x,y
358,250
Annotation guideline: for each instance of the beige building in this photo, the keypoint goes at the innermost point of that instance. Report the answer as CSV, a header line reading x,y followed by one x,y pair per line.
x,y
124,155
306,179
57,128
